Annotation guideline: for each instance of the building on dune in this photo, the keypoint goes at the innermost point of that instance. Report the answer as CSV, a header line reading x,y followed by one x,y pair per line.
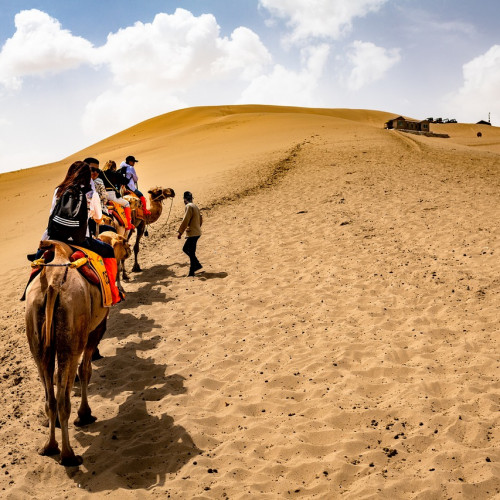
x,y
401,123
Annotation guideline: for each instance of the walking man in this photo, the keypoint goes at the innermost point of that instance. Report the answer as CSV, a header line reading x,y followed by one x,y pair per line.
x,y
192,225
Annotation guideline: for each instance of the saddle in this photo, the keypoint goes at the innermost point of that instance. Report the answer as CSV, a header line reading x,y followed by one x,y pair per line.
x,y
116,210
135,203
89,264
94,272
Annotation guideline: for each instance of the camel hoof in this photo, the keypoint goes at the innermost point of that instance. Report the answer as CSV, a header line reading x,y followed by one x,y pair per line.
x,y
72,461
136,268
85,420
48,451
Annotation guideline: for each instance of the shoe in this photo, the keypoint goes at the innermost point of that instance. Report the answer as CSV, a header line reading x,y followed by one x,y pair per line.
x,y
197,267
31,257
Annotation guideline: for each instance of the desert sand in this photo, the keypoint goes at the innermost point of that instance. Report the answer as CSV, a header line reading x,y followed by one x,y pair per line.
x,y
341,340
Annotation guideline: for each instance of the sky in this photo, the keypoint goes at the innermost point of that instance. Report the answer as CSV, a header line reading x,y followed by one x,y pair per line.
x,y
74,72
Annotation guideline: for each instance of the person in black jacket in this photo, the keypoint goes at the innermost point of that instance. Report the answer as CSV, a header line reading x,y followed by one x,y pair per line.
x,y
77,179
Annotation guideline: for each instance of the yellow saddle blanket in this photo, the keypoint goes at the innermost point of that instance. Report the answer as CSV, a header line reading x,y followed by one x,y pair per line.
x,y
97,264
135,204
119,211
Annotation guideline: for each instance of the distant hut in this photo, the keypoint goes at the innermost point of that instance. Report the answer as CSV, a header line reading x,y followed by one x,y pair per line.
x,y
401,123
396,123
483,122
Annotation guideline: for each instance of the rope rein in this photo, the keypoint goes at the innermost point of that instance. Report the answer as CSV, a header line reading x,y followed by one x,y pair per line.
x,y
161,198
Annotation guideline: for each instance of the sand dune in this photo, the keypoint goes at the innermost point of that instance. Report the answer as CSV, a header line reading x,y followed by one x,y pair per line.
x,y
341,341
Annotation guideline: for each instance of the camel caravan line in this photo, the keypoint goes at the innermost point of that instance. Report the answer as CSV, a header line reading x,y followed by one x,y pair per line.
x,y
68,299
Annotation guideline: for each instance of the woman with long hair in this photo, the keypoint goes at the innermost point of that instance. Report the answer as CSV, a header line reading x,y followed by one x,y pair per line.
x,y
76,184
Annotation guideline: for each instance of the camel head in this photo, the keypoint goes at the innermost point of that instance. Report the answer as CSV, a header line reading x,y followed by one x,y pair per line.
x,y
160,194
119,243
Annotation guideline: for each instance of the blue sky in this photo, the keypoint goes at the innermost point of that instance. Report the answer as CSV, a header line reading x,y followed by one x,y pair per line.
x,y
73,73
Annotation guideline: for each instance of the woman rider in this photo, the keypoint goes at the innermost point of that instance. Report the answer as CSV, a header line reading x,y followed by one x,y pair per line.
x,y
78,179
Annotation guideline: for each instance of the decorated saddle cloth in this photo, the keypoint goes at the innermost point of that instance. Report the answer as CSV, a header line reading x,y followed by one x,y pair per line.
x,y
89,264
96,265
116,210
135,203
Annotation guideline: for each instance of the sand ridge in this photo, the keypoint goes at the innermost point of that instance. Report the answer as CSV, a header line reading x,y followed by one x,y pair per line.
x,y
339,343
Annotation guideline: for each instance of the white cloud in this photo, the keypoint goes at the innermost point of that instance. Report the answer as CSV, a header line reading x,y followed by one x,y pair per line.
x,y
479,92
244,53
285,87
370,63
180,49
328,19
153,65
40,46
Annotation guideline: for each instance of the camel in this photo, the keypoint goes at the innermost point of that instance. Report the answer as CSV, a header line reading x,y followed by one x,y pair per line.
x,y
156,197
65,318
121,248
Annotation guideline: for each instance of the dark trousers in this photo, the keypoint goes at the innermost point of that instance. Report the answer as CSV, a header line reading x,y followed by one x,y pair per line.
x,y
189,249
103,249
102,227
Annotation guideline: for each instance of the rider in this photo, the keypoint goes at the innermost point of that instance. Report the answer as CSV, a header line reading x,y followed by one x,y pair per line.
x,y
78,178
132,178
112,182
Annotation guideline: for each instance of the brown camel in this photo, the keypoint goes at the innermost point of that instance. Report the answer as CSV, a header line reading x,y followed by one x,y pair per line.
x,y
156,197
121,248
65,318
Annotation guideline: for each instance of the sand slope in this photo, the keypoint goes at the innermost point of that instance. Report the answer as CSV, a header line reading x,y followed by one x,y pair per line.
x,y
341,341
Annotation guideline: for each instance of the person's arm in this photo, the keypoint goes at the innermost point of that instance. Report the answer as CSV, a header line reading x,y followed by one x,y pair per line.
x,y
133,174
95,208
99,184
185,222
54,201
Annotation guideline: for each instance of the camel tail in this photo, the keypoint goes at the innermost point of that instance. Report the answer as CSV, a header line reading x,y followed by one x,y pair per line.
x,y
55,283
51,297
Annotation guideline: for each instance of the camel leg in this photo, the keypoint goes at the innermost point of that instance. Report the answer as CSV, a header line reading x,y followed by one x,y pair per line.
x,y
45,362
124,271
66,376
85,416
140,232
121,271
47,375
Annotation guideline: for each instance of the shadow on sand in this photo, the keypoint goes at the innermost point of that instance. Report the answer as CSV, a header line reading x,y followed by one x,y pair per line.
x,y
139,445
203,276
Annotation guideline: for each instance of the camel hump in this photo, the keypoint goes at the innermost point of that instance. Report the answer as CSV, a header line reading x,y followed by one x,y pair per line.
x,y
62,251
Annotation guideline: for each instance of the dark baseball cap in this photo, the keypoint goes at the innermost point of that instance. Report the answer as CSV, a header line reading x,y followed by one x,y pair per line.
x,y
128,159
